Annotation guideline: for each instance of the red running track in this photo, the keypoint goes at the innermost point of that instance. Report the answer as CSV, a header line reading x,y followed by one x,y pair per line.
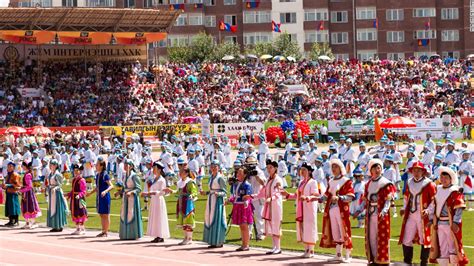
x,y
40,247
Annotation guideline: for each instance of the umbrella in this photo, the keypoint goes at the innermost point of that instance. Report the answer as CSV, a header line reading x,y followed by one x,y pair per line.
x,y
252,56
291,59
352,122
265,56
193,79
40,130
228,57
279,58
324,57
397,122
15,130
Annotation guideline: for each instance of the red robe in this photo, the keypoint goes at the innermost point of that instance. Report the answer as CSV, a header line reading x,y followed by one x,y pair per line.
x,y
428,193
454,201
385,192
326,238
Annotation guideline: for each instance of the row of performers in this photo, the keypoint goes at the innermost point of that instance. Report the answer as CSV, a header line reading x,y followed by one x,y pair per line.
x,y
432,214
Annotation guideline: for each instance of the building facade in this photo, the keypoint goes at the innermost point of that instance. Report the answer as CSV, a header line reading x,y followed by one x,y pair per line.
x,y
364,29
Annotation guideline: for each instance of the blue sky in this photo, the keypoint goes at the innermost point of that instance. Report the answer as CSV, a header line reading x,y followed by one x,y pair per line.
x,y
4,3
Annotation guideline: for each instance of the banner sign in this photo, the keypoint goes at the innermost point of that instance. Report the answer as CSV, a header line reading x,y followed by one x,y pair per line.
x,y
17,52
152,130
335,126
236,128
30,92
311,123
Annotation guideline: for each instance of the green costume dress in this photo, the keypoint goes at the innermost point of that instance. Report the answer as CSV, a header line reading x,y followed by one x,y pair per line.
x,y
130,215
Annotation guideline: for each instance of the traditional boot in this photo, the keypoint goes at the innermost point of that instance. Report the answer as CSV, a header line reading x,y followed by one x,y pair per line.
x,y
424,255
453,259
443,262
407,254
348,257
10,221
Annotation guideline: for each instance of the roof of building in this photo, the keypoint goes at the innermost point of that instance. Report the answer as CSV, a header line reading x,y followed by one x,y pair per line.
x,y
87,19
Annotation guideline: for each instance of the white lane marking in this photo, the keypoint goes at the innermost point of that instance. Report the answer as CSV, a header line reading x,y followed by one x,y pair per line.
x,y
50,256
236,226
100,251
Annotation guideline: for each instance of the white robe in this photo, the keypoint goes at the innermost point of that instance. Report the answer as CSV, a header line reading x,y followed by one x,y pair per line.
x,y
158,215
275,206
307,231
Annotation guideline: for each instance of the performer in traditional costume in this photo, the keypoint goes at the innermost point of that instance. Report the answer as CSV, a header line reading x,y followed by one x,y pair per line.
x,y
103,186
446,217
158,216
378,195
57,206
11,186
419,194
336,219
187,194
306,197
29,204
131,227
242,210
77,200
214,220
466,171
273,206
359,189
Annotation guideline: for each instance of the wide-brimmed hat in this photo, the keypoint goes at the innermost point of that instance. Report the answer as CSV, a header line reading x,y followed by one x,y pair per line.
x,y
451,173
419,165
340,164
374,162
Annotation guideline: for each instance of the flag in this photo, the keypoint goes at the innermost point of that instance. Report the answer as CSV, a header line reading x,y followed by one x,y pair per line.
x,y
276,26
468,181
428,25
321,25
198,5
177,6
227,27
376,24
378,129
252,4
423,42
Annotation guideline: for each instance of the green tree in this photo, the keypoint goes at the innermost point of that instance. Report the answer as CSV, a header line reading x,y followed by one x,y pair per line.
x,y
202,47
179,54
259,49
318,50
283,45
225,48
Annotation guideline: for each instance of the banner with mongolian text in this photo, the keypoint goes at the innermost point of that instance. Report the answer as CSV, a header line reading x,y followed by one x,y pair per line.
x,y
152,130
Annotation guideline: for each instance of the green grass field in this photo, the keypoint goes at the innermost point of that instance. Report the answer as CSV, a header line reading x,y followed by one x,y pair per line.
x,y
288,239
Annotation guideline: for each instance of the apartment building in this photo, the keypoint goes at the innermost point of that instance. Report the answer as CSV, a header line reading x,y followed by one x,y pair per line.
x,y
354,28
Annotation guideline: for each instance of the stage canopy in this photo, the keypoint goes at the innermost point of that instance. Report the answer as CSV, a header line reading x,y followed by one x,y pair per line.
x,y
87,19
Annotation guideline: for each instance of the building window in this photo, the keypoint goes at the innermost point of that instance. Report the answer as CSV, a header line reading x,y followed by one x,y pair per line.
x,y
230,19
229,2
210,21
257,17
341,56
449,13
181,20
452,54
424,53
395,36
178,40
321,36
425,34
210,2
450,35
172,2
316,15
129,3
395,56
251,38
365,55
287,18
395,15
340,38
366,35
287,1
69,3
195,19
339,17
424,12
366,13
194,1
231,39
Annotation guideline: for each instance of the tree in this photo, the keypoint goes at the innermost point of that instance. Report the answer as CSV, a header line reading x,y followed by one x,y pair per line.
x,y
318,50
179,54
202,47
283,45
260,48
225,48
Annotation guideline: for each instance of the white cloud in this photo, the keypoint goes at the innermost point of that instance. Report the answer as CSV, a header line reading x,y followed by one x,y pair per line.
x,y
4,3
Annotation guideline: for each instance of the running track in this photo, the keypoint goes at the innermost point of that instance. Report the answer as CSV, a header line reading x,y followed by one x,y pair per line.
x,y
40,247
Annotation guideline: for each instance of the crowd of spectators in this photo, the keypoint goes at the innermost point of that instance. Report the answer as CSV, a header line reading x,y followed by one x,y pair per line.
x,y
114,93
